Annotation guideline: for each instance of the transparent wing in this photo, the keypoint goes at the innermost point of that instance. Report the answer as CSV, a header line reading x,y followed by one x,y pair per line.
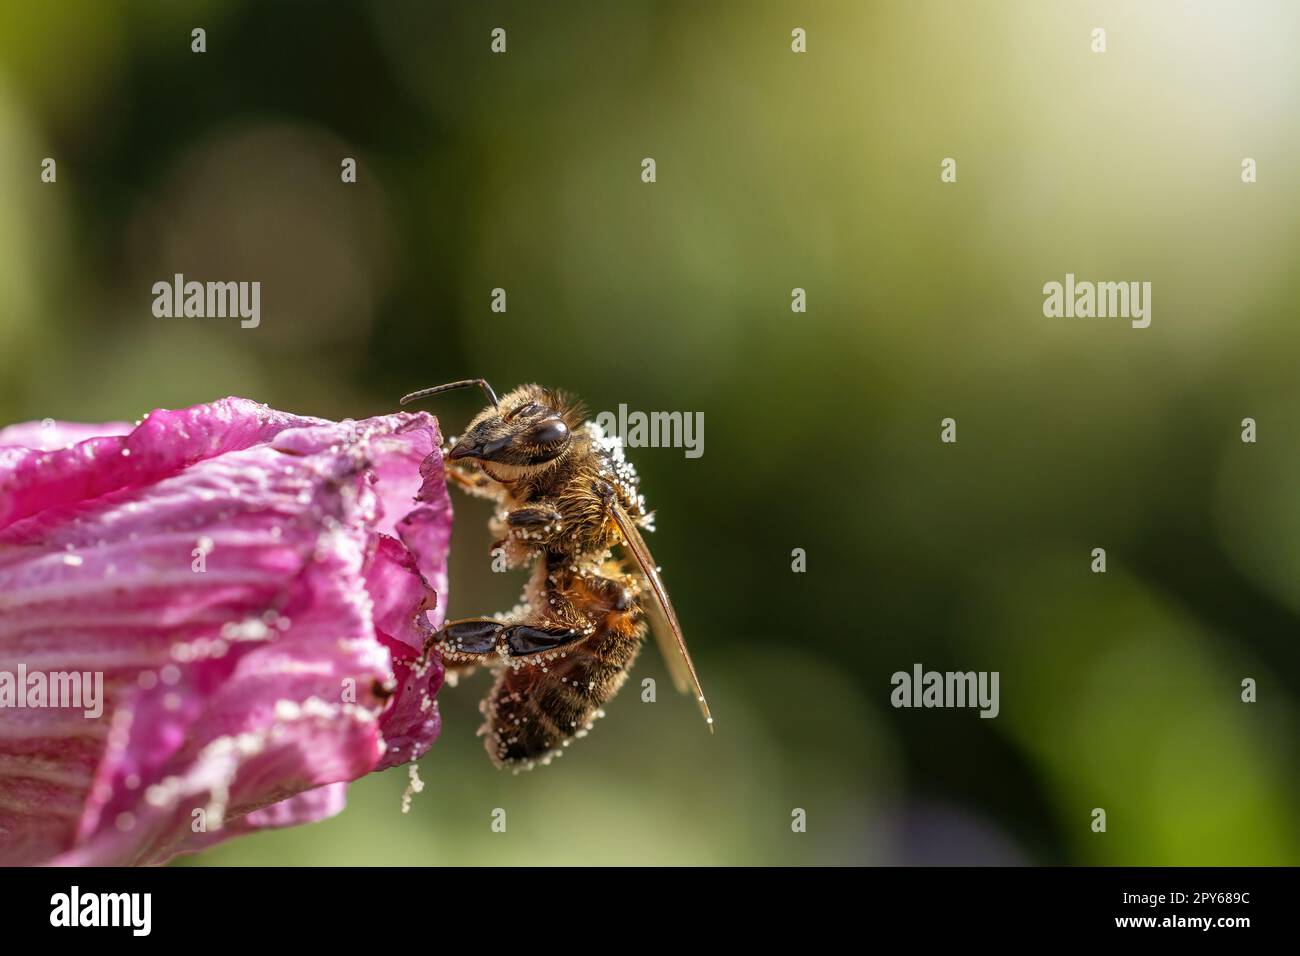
x,y
663,619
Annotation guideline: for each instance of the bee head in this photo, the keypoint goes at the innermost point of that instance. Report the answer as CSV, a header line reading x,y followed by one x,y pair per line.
x,y
525,431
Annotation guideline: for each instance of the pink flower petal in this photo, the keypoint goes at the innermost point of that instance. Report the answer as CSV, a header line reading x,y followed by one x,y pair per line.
x,y
310,806
258,625
49,435
165,443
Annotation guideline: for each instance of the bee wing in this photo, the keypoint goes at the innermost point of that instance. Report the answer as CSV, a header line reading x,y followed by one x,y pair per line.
x,y
663,619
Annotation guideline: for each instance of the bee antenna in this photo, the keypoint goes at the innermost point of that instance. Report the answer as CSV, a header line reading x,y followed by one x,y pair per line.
x,y
480,382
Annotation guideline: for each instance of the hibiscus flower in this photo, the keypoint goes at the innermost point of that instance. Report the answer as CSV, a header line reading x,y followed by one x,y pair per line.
x,y
251,592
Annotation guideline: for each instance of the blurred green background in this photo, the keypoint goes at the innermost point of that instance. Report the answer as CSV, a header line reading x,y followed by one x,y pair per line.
x,y
775,170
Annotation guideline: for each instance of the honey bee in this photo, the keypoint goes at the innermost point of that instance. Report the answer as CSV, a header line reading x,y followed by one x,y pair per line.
x,y
565,497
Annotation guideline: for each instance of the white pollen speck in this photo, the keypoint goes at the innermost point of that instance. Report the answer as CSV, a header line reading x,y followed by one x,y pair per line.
x,y
412,788
72,560
287,710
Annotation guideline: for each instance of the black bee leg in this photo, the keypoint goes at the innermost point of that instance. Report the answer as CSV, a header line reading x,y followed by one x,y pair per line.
x,y
479,640
468,641
532,517
605,492
525,639
613,595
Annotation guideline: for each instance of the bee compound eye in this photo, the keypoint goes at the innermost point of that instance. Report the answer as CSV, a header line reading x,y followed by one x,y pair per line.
x,y
549,431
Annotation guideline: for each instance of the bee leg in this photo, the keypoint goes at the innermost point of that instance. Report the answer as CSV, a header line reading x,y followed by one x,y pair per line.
x,y
605,492
525,639
478,640
532,517
471,480
612,595
467,641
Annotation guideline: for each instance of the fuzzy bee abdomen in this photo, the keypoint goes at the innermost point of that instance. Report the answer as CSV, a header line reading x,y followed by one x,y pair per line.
x,y
535,709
